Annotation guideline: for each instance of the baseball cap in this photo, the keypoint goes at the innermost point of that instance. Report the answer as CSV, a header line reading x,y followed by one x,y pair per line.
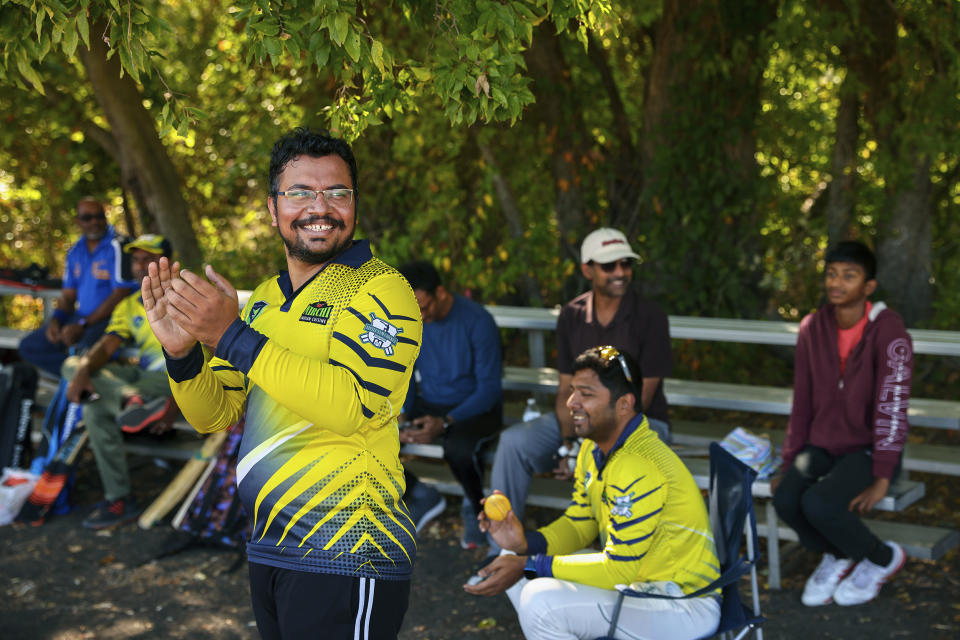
x,y
151,243
605,245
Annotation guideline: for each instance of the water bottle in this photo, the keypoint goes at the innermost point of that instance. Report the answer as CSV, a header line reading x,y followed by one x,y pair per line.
x,y
531,411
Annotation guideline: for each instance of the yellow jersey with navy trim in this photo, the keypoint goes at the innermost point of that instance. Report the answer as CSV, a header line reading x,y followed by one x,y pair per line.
x,y
321,373
642,502
129,322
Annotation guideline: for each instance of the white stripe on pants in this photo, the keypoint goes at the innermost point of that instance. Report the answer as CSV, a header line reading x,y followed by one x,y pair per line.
x,y
361,629
551,609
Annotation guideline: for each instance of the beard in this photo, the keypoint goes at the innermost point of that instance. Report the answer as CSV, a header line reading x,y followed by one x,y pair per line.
x,y
298,249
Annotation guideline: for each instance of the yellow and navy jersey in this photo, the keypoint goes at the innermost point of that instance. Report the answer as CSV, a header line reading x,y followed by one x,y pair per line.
x,y
647,510
129,322
321,373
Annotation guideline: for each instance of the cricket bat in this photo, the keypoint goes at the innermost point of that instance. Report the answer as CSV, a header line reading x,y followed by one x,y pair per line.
x,y
183,481
182,511
50,484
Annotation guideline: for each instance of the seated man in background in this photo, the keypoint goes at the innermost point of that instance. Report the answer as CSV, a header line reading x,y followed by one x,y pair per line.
x,y
636,494
121,397
92,287
848,426
455,395
611,312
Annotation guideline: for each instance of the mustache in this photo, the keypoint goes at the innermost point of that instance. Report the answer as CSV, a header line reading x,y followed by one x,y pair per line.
x,y
335,223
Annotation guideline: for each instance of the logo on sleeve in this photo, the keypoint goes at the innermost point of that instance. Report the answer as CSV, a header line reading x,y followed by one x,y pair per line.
x,y
380,334
622,506
255,310
317,313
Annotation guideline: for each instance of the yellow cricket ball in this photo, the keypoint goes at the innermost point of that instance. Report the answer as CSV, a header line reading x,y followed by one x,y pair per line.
x,y
496,506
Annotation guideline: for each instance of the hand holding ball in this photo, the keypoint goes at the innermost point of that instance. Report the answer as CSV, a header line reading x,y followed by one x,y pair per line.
x,y
496,506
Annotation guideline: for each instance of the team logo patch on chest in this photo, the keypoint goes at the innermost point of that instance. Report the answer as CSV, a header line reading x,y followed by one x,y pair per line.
x,y
622,506
317,313
380,334
255,310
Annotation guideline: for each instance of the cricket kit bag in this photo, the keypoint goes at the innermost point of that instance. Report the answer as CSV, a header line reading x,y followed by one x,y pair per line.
x,y
44,498
18,389
59,426
212,514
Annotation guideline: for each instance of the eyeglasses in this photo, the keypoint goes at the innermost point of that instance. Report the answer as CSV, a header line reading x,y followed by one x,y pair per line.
x,y
609,353
335,198
87,217
608,267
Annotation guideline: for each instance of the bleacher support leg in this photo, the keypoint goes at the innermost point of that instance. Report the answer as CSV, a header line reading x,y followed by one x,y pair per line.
x,y
773,546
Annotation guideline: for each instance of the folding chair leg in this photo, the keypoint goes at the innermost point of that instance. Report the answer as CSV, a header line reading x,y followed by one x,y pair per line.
x,y
773,545
754,590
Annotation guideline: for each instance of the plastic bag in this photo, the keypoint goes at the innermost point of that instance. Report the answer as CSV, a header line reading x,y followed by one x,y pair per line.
x,y
16,485
752,450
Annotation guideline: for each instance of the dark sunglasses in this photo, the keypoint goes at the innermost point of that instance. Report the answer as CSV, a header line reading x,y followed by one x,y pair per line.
x,y
87,217
608,267
610,353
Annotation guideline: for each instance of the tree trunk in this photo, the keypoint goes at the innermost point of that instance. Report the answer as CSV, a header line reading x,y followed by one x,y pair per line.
x,y
145,163
698,146
841,192
904,250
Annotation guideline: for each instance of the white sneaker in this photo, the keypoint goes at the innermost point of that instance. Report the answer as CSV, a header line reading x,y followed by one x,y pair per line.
x,y
824,580
864,583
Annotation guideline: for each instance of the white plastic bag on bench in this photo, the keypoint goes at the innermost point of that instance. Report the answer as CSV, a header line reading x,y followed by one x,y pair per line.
x,y
752,450
16,485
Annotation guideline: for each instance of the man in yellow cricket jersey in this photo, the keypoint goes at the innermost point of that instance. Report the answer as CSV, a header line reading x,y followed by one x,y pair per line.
x,y
320,360
636,494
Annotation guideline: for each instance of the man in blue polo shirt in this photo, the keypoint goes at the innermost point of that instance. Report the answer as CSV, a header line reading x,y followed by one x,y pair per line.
x,y
455,395
92,287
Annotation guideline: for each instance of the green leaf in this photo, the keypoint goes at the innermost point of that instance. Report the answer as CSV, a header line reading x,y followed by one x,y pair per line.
x,y
70,38
339,28
322,55
30,74
127,61
83,27
376,52
352,45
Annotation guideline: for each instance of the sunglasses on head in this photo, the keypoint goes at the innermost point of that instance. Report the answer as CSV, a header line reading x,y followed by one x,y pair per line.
x,y
610,353
87,217
609,267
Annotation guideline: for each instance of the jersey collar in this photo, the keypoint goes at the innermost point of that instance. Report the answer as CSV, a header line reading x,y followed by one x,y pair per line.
x,y
601,460
355,256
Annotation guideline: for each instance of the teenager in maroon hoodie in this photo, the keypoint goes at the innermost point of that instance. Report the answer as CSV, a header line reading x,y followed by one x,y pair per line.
x,y
848,425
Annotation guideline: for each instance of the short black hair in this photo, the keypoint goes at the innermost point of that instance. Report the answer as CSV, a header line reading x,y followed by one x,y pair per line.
x,y
855,253
421,275
91,200
303,141
610,372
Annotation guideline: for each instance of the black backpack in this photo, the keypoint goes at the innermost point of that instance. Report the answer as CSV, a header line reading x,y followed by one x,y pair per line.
x,y
18,389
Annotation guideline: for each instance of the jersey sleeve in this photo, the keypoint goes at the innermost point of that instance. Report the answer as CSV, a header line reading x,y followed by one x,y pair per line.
x,y
577,527
119,324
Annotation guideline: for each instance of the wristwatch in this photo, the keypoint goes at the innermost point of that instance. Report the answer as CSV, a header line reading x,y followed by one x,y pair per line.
x,y
82,322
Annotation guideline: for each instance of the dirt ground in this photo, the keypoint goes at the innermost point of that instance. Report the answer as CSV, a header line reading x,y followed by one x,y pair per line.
x,y
63,582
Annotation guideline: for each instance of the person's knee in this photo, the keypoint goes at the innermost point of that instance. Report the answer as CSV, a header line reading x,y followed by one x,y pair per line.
x,y
69,367
818,507
536,610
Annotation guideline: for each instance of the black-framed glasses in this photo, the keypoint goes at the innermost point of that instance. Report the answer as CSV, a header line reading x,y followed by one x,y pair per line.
x,y
87,217
609,352
608,267
336,198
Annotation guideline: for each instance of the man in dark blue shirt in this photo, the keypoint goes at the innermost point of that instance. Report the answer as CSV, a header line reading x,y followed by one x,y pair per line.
x,y
455,395
92,287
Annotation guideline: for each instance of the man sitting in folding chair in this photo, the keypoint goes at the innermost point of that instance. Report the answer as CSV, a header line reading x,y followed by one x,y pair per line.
x,y
636,494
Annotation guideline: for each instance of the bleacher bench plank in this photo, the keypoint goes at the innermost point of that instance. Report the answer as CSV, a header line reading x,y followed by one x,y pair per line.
x,y
923,412
919,541
929,458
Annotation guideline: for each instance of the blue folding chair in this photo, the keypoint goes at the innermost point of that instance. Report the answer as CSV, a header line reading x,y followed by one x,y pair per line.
x,y
731,516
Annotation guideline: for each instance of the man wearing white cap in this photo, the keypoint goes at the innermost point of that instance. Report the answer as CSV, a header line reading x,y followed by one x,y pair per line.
x,y
610,313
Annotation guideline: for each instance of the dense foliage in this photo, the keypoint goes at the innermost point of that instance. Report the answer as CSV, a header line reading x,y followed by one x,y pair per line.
x,y
492,135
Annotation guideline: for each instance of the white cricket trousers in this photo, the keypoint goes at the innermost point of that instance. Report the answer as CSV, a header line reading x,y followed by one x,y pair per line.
x,y
551,609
